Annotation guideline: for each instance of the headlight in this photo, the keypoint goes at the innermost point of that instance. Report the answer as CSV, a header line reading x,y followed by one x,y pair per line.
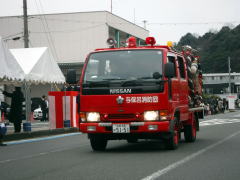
x,y
93,116
151,115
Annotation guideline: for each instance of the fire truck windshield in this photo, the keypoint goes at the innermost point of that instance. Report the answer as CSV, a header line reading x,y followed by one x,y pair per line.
x,y
124,68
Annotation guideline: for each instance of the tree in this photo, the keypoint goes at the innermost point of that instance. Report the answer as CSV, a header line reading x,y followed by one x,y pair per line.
x,y
215,47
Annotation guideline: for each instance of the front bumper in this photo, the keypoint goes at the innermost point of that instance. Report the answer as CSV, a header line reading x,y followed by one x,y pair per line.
x,y
135,127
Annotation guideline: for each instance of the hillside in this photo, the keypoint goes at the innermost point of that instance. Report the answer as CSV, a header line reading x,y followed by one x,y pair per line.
x,y
215,48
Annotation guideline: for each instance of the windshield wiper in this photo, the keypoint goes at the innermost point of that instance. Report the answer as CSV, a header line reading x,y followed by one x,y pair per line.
x,y
96,83
132,82
141,81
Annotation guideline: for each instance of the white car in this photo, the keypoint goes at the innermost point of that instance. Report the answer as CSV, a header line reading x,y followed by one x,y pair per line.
x,y
37,114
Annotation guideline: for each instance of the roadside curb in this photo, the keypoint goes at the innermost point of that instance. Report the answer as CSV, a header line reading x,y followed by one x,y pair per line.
x,y
41,133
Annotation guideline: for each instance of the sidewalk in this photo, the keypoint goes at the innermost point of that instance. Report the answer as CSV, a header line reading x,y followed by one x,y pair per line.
x,y
38,129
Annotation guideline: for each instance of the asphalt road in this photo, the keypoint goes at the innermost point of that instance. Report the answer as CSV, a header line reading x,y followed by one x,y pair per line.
x,y
215,155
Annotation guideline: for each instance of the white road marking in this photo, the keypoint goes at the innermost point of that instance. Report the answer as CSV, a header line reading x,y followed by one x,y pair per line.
x,y
42,154
213,122
186,159
42,139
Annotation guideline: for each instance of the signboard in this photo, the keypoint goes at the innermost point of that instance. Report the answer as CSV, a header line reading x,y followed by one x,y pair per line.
x,y
231,101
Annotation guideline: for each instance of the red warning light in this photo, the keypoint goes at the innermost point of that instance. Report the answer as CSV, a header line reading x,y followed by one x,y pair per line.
x,y
150,40
132,42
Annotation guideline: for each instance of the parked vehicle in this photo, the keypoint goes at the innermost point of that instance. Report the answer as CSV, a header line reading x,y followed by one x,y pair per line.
x,y
37,114
35,103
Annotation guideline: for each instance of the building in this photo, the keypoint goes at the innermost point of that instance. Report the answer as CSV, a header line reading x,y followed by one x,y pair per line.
x,y
70,36
218,83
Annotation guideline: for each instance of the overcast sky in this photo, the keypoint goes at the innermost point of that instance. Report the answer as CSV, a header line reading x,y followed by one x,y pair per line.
x,y
166,20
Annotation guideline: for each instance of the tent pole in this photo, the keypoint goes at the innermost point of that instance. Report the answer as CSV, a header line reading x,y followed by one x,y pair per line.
x,y
27,125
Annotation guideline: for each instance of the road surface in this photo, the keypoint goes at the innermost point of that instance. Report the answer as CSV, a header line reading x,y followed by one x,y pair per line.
x,y
215,155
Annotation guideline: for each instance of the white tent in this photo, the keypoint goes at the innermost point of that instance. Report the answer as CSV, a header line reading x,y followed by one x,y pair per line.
x,y
38,65
10,70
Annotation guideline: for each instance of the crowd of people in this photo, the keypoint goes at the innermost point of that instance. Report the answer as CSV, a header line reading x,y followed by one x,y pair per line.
x,y
214,105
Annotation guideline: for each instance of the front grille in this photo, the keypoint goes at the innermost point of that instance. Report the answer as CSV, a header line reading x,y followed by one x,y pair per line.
x,y
121,116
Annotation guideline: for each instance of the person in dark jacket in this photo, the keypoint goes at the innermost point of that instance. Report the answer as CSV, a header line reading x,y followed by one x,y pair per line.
x,y
15,115
44,108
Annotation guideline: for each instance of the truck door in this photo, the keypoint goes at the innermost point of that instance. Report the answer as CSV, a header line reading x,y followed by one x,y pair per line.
x,y
183,88
175,80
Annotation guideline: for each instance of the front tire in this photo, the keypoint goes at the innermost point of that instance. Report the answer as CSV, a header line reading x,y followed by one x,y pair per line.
x,y
173,141
98,143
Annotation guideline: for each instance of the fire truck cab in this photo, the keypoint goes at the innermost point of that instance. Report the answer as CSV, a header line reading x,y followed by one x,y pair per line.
x,y
136,92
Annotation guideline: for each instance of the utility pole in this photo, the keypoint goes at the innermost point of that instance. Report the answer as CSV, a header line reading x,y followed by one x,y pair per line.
x,y
27,125
25,23
229,75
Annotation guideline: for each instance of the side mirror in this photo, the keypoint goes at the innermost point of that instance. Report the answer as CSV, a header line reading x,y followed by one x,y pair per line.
x,y
169,70
71,76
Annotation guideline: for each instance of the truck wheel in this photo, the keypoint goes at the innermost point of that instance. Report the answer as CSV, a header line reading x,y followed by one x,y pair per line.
x,y
98,143
190,131
172,142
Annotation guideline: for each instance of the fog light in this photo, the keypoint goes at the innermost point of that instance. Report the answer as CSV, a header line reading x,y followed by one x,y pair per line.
x,y
152,127
91,128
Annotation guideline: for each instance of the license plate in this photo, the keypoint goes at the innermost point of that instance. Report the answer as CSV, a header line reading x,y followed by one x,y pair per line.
x,y
121,128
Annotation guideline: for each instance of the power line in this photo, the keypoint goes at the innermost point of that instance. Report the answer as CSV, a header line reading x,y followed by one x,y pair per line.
x,y
46,29
148,23
51,39
193,23
31,43
12,35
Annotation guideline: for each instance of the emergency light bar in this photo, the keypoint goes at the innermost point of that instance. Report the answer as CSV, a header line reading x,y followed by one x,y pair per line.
x,y
150,40
132,42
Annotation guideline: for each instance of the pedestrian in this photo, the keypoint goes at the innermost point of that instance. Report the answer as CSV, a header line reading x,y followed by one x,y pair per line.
x,y
220,105
44,108
3,131
224,104
15,115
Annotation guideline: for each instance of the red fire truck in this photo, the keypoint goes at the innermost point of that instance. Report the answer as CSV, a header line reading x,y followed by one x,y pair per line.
x,y
140,92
